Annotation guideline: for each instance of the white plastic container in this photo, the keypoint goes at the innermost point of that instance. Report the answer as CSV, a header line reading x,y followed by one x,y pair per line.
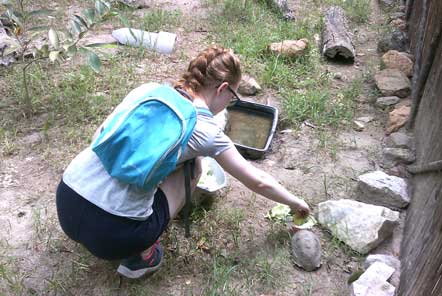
x,y
162,42
213,177
212,182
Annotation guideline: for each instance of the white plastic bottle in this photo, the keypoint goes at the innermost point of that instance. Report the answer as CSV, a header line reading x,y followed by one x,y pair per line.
x,y
162,42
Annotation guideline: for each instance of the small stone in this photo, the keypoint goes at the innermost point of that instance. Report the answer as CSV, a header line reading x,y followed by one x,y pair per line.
x,y
373,282
289,48
338,76
394,59
396,40
381,189
397,15
392,82
388,260
137,4
398,155
248,86
384,102
398,140
397,171
399,23
306,250
365,119
387,3
397,118
358,126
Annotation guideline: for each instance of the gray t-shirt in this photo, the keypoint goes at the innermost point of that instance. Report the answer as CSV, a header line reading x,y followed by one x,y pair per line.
x,y
88,177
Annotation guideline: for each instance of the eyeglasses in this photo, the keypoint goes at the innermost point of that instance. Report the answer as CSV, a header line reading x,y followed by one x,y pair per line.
x,y
235,98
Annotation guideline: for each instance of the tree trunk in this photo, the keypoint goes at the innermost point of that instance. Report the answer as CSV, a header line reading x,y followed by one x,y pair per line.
x,y
336,39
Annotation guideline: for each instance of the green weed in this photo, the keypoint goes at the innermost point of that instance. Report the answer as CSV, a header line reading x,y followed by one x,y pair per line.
x,y
161,20
357,10
219,282
11,280
335,244
7,142
321,106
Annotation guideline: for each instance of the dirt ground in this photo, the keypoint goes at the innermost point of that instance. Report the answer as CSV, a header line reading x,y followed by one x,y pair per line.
x,y
41,260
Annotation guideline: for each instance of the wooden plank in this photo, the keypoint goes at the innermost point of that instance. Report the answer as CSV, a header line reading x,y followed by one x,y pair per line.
x,y
429,38
413,18
421,255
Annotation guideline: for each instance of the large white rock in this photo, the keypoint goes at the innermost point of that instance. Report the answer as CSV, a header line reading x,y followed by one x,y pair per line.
x,y
359,225
373,282
382,189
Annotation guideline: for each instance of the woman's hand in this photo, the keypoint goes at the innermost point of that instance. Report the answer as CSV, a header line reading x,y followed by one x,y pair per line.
x,y
300,208
259,181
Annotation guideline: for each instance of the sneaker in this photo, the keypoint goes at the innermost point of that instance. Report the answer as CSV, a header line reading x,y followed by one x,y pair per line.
x,y
138,265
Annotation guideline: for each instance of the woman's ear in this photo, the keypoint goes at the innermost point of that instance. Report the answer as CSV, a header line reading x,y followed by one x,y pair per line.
x,y
223,86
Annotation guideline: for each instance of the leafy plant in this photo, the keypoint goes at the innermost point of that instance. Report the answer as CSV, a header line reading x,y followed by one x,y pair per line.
x,y
26,26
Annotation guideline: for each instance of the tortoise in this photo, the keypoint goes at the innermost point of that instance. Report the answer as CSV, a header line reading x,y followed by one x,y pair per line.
x,y
306,250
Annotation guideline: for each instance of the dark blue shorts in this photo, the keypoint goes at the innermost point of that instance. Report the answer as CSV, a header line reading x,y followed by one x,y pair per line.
x,y
105,235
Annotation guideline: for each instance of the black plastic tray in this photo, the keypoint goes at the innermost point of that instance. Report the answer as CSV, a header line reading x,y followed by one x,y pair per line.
x,y
250,107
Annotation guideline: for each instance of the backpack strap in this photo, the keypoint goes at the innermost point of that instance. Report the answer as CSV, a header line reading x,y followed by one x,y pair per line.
x,y
189,168
189,174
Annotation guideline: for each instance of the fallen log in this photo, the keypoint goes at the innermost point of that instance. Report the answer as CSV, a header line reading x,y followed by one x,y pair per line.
x,y
336,38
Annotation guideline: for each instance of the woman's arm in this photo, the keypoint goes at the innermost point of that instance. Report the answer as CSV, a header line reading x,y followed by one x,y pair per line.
x,y
259,181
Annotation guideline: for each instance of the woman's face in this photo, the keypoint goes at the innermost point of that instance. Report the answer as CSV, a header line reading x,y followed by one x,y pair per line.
x,y
224,95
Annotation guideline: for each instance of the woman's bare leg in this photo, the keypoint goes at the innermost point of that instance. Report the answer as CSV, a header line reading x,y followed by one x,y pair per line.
x,y
174,188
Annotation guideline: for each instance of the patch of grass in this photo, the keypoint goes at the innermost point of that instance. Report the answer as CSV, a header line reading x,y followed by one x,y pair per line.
x,y
327,141
323,107
11,280
225,252
77,100
14,104
219,281
299,81
156,20
357,11
263,272
7,142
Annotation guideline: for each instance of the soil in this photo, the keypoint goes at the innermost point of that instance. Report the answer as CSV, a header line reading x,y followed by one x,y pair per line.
x,y
32,242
